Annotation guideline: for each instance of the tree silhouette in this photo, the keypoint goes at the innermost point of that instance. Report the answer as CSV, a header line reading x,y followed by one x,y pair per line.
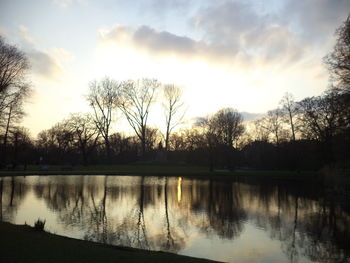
x,y
290,110
338,61
137,98
13,67
14,88
103,97
173,109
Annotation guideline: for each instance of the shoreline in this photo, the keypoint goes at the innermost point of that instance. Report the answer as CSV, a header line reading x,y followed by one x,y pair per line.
x,y
170,171
22,243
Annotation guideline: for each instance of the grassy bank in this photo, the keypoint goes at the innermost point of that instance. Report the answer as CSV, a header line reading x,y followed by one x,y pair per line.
x,y
160,170
21,243
111,170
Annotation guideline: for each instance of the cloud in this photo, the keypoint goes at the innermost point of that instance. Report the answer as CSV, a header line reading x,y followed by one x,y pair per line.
x,y
61,54
316,19
3,32
152,41
164,42
237,26
243,36
225,21
272,44
156,8
166,5
44,63
249,116
66,3
24,34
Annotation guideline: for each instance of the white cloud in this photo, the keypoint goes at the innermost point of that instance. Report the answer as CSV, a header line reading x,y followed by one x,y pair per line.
x,y
316,19
24,34
151,40
273,43
44,63
61,54
66,3
3,32
236,26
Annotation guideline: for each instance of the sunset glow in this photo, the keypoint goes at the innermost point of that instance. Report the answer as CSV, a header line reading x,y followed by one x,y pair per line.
x,y
246,61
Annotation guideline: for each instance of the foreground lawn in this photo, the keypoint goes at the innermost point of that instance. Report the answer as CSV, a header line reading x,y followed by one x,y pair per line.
x,y
21,243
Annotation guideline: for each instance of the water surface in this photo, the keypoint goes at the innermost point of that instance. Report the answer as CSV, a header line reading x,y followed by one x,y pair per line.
x,y
223,220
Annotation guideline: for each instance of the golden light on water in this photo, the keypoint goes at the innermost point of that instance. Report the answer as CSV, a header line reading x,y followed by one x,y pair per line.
x,y
179,184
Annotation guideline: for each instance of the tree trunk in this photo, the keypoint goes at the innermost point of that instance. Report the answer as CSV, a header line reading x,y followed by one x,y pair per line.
x,y
83,151
292,125
4,150
143,141
211,159
108,149
167,134
15,151
1,189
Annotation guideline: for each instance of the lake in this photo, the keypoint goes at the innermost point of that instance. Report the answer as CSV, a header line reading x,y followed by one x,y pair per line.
x,y
224,220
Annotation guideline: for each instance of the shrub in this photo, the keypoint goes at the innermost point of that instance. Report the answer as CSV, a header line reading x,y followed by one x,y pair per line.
x,y
39,225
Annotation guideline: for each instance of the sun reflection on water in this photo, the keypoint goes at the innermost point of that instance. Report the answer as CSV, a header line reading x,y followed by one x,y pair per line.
x,y
179,185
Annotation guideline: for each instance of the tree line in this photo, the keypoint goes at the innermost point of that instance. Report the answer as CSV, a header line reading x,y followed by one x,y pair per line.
x,y
297,135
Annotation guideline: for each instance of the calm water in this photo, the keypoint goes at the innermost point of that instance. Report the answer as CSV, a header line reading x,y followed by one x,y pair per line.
x,y
221,220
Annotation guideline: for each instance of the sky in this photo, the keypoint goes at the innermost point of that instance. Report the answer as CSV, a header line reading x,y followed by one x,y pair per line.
x,y
244,54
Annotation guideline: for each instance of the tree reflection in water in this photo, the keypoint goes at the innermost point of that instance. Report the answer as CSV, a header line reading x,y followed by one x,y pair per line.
x,y
163,213
12,192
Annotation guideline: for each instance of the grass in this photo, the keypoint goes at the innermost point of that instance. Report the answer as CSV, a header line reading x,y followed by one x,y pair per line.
x,y
160,170
21,243
110,169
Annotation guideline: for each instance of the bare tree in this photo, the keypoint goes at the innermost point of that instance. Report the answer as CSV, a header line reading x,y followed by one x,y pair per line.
x,y
14,88
20,141
339,60
152,137
273,123
173,108
289,109
13,66
56,143
85,133
13,85
11,112
137,98
260,131
227,125
103,97
322,117
222,131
